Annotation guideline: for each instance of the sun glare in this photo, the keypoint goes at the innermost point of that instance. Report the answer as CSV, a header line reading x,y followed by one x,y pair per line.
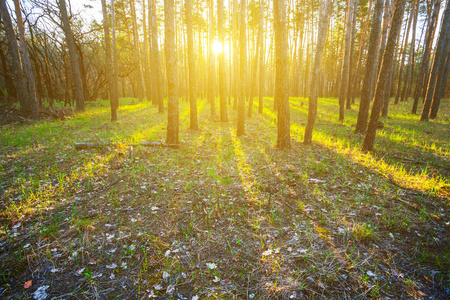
x,y
217,47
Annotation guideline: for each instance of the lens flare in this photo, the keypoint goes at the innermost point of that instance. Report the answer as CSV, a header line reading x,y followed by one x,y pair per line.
x,y
217,47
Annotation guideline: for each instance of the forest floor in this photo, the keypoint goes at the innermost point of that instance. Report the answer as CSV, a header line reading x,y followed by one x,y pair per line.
x,y
225,217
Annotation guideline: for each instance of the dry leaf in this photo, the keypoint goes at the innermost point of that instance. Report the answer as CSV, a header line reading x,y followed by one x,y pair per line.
x,y
28,284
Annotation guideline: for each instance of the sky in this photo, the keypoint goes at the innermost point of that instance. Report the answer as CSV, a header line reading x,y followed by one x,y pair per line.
x,y
89,14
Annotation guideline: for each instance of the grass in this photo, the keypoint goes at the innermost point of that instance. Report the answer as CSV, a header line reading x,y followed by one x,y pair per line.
x,y
225,217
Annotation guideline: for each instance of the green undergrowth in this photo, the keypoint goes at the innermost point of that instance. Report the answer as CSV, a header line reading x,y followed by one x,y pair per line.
x,y
224,216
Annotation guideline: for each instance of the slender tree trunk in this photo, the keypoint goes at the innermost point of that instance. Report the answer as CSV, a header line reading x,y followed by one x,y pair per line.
x,y
18,75
384,77
384,34
146,52
404,52
236,30
422,78
345,67
9,84
281,77
321,36
74,62
440,88
34,102
439,62
108,56
371,68
139,81
192,73
222,75
261,58
356,80
411,54
240,130
350,83
158,90
115,69
299,62
388,89
211,61
171,71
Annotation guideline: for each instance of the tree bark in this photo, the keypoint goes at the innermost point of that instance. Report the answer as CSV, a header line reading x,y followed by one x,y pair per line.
x,y
321,36
74,62
108,57
440,88
192,73
211,61
158,90
146,60
345,66
261,58
115,68
18,75
439,62
140,85
406,85
371,68
172,73
32,96
350,83
222,75
356,79
240,130
422,78
384,77
404,51
9,84
281,75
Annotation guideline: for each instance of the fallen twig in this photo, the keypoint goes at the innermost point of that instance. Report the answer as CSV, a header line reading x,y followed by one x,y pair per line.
x,y
86,146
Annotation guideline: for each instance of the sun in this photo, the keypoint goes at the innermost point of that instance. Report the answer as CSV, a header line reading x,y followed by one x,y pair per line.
x,y
217,47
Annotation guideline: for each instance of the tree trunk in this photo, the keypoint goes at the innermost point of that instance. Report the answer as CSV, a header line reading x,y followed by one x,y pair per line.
x,y
404,50
115,69
281,75
191,61
355,81
411,54
9,84
108,57
371,68
27,64
439,62
74,62
235,38
171,71
146,54
321,36
384,77
222,75
211,61
422,78
350,83
140,85
158,91
261,58
440,88
240,130
384,33
388,89
345,67
18,75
